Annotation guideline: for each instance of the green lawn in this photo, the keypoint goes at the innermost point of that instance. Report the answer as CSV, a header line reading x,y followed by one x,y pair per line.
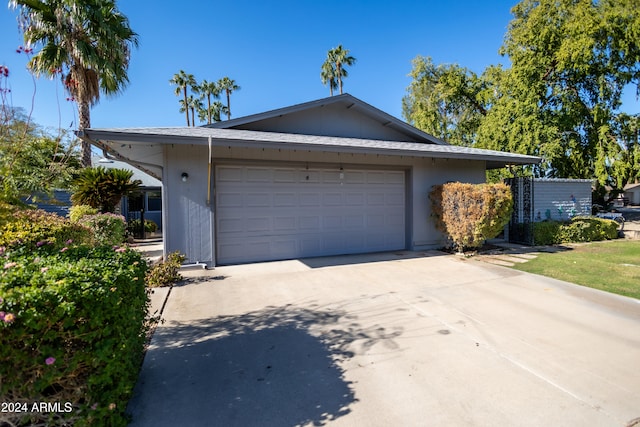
x,y
612,266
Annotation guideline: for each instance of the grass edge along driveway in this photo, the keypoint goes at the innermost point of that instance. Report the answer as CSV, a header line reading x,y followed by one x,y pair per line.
x,y
612,266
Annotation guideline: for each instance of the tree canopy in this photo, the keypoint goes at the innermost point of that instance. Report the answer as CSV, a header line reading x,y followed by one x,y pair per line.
x,y
33,162
87,43
560,98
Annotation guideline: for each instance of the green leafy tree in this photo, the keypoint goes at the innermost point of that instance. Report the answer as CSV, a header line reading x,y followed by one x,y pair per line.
x,y
560,98
33,163
228,86
85,42
446,101
182,81
340,58
103,188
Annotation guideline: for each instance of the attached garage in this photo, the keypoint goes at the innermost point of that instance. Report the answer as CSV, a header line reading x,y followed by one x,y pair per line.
x,y
268,213
328,177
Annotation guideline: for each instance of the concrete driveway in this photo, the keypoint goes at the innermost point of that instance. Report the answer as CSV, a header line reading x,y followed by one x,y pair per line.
x,y
396,339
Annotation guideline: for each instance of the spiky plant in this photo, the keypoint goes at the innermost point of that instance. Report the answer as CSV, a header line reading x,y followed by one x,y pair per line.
x,y
103,188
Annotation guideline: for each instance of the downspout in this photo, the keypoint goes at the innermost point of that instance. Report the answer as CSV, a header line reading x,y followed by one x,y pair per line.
x,y
211,213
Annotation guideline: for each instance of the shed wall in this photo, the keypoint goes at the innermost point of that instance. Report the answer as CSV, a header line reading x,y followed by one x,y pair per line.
x,y
561,200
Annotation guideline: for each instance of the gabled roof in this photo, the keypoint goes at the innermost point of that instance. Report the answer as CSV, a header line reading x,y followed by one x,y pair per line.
x,y
349,102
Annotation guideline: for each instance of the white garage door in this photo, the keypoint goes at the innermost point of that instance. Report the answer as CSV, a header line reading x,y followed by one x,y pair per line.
x,y
267,213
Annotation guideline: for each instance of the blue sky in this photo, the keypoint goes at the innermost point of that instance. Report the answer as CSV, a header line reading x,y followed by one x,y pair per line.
x,y
273,50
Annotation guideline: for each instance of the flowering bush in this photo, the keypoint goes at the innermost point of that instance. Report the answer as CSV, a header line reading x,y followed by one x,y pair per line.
x,y
33,228
107,228
72,329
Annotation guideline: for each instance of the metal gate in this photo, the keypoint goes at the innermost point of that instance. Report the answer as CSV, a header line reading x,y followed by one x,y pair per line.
x,y
135,215
521,224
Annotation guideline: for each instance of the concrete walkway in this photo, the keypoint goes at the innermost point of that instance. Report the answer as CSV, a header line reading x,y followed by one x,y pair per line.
x,y
408,339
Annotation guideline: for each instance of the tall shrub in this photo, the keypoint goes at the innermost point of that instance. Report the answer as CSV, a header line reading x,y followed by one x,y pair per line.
x,y
471,213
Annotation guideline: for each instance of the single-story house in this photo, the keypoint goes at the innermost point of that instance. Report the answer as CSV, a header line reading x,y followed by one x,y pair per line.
x,y
326,177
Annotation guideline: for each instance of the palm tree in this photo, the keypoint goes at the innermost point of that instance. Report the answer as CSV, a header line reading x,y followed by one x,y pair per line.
x,y
209,90
212,113
183,80
103,188
340,57
87,42
328,76
194,103
229,86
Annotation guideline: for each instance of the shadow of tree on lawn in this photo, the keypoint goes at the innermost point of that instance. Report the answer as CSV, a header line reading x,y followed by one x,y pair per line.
x,y
274,367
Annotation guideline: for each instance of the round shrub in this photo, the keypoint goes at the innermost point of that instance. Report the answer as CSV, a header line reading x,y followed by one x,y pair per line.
x,y
470,214
72,330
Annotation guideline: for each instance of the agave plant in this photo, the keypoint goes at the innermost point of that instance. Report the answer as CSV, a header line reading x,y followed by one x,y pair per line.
x,y
103,188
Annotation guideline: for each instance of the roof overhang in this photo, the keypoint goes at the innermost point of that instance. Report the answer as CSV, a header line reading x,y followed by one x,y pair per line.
x,y
142,147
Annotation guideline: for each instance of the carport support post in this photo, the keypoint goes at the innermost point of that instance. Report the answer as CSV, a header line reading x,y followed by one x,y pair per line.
x,y
142,230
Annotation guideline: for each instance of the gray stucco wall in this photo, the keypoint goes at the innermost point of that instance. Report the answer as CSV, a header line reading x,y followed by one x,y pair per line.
x,y
190,221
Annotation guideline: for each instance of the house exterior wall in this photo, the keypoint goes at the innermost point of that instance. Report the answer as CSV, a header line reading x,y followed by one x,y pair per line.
x,y
330,120
561,199
190,221
186,214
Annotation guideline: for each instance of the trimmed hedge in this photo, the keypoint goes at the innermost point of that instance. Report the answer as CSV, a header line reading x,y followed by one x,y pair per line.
x,y
579,229
471,213
72,330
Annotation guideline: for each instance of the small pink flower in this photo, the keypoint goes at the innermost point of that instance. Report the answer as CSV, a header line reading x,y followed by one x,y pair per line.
x,y
121,250
64,249
94,406
50,360
9,318
2,314
44,269
41,243
68,242
9,265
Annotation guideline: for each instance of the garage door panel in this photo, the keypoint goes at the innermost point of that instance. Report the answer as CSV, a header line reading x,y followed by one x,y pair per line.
x,y
277,213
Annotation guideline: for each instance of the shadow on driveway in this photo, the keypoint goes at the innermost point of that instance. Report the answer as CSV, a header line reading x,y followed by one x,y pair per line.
x,y
273,367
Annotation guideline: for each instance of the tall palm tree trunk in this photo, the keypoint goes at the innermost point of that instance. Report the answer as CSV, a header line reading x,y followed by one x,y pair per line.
x,y
228,104
339,69
84,119
186,108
